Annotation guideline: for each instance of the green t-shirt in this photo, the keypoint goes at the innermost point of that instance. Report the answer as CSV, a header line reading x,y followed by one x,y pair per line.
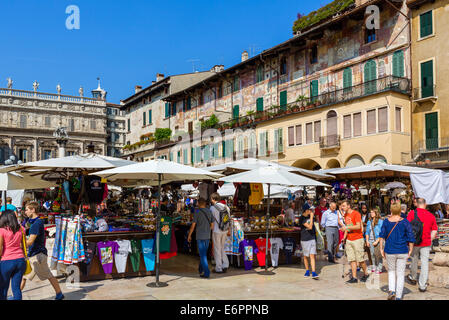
x,y
136,250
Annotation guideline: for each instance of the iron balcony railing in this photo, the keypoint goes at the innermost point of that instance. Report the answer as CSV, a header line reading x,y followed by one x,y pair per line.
x,y
432,148
330,142
424,92
389,83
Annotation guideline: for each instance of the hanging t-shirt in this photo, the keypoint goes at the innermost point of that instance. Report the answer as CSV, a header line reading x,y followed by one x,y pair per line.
x,y
276,245
134,256
106,251
289,249
248,249
165,236
148,255
90,253
261,245
74,189
244,192
94,188
256,193
121,256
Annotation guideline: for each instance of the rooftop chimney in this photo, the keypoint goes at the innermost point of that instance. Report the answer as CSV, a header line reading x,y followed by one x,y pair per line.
x,y
217,68
137,89
159,77
244,55
359,3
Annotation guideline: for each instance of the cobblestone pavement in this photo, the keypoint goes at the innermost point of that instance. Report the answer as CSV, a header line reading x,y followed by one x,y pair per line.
x,y
287,283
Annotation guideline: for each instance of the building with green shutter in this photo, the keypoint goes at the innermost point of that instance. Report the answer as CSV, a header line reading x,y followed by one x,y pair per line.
x,y
430,65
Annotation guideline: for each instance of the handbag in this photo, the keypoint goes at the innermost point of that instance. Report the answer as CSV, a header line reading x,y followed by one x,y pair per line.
x,y
377,252
28,263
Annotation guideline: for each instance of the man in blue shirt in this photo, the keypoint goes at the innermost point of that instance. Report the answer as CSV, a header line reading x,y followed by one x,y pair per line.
x,y
37,252
9,205
329,221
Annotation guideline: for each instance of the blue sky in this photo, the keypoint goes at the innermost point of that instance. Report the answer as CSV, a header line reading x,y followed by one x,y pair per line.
x,y
127,42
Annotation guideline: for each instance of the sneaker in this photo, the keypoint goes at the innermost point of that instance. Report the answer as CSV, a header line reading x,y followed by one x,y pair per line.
x,y
203,276
314,275
378,272
225,269
59,296
352,280
364,278
411,280
307,274
391,295
423,290
215,271
10,298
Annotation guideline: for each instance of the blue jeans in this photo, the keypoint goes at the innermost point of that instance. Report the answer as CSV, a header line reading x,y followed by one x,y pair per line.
x,y
203,245
11,271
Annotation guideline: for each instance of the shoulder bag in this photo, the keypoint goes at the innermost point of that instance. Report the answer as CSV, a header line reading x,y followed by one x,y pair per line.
x,y
377,252
28,263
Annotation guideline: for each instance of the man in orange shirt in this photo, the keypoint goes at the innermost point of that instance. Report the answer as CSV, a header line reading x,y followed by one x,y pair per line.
x,y
355,245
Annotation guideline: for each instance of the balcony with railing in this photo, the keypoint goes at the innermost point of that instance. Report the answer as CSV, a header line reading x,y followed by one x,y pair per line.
x,y
423,94
385,84
435,149
330,142
8,93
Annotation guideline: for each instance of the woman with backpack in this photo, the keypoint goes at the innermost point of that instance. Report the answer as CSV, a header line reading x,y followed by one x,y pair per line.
x,y
12,254
372,232
396,246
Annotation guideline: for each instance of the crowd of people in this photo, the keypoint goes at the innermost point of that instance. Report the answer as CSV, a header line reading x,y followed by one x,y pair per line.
x,y
23,257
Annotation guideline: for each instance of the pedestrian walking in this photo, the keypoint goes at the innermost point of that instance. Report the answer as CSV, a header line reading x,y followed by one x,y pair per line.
x,y
308,242
203,222
372,232
222,222
37,253
396,242
12,264
329,222
355,243
320,209
429,229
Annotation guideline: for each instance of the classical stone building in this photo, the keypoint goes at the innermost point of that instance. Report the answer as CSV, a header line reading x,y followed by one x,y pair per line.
x,y
116,130
28,120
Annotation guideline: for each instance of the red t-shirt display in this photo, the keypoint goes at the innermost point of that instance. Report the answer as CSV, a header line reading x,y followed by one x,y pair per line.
x,y
430,224
261,245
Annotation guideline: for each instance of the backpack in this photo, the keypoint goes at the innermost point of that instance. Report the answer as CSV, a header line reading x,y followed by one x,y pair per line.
x,y
224,222
417,228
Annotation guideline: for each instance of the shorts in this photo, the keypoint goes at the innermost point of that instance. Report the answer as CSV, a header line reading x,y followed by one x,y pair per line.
x,y
39,264
355,250
308,247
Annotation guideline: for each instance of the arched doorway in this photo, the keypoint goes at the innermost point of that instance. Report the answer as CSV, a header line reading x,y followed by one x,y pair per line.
x,y
307,164
333,163
355,161
379,159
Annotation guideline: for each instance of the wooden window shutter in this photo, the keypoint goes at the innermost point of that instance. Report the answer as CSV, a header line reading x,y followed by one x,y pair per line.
x,y
398,63
426,27
259,104
283,100
291,136
150,116
144,119
298,134
347,126
309,132
371,121
357,118
383,119
347,78
236,111
398,119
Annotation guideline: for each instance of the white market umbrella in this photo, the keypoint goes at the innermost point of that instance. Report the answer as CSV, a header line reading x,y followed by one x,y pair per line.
x,y
254,163
272,175
277,191
162,171
14,181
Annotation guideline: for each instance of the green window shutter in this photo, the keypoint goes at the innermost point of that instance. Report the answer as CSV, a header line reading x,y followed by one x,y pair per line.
x,y
283,100
150,116
236,112
144,119
198,155
262,144
347,79
179,156
206,153
398,63
276,141
129,125
223,149
189,103
280,140
259,104
170,156
313,90
427,79
236,83
259,74
173,109
167,109
192,156
370,77
432,131
426,27
186,156
216,149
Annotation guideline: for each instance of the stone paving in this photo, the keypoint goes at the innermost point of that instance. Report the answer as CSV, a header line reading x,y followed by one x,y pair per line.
x,y
287,283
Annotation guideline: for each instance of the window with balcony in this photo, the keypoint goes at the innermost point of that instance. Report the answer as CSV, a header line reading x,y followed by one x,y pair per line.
x,y
398,63
283,100
235,112
370,75
427,84
259,104
347,80
313,90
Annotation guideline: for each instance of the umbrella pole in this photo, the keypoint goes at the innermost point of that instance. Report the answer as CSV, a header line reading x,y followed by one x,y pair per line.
x,y
4,199
158,284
